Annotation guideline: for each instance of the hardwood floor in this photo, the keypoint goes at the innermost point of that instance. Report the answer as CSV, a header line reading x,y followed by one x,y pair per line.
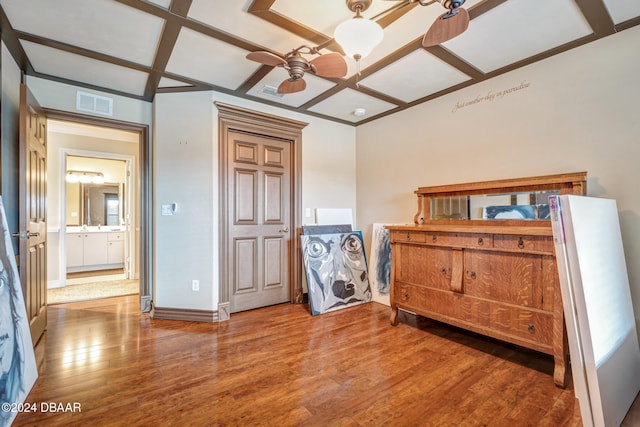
x,y
281,366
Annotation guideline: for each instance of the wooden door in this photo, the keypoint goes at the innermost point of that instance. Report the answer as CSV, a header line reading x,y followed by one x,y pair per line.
x,y
258,220
33,196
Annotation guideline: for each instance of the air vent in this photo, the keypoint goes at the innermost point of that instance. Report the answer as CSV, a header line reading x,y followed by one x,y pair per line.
x,y
94,103
271,91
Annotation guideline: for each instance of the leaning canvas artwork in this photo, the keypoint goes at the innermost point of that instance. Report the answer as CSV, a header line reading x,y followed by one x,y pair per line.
x,y
18,370
336,271
380,264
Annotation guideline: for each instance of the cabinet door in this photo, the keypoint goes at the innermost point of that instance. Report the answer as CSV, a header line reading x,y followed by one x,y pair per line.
x,y
95,248
439,267
411,265
75,256
504,277
115,252
424,265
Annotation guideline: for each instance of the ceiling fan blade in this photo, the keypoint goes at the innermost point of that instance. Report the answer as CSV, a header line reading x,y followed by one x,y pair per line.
x,y
446,27
292,86
266,58
329,65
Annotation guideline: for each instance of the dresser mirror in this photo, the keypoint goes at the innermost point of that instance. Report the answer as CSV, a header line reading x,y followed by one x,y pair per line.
x,y
518,205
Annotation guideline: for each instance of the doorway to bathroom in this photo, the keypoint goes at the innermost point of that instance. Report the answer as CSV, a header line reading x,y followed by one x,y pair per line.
x,y
94,194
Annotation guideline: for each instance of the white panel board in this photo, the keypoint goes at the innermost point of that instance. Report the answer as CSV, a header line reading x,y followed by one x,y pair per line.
x,y
327,216
603,342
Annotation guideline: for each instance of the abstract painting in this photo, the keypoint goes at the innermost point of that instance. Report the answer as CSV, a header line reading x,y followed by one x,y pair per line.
x,y
509,212
336,271
18,370
380,264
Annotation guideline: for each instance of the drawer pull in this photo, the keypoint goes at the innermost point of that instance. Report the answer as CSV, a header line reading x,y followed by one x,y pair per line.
x,y
473,275
408,235
521,243
443,270
434,238
480,241
531,328
406,295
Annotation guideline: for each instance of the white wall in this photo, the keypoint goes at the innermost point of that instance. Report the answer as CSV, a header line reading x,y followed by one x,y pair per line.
x,y
577,111
186,173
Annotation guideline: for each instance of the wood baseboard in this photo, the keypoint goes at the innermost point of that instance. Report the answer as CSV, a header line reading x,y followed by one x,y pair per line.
x,y
188,315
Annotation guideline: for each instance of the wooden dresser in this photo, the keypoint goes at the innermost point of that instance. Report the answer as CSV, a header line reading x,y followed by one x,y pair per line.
x,y
463,265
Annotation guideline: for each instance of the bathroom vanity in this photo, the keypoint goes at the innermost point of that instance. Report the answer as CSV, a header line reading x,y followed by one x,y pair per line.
x,y
94,248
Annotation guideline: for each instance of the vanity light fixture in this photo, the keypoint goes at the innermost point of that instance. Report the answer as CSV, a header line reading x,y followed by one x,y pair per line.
x,y
85,177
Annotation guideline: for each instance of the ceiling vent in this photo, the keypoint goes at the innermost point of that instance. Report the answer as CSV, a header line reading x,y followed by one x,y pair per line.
x,y
94,103
271,91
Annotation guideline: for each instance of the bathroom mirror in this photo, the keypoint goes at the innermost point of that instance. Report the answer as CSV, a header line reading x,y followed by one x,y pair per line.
x,y
94,204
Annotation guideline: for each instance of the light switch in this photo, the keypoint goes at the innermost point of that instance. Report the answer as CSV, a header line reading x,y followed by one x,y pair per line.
x,y
168,210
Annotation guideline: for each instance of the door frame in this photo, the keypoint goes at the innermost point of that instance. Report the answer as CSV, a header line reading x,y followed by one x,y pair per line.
x,y
244,120
145,184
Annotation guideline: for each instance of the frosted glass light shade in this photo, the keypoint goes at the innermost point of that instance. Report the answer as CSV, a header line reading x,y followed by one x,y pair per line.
x,y
358,36
72,178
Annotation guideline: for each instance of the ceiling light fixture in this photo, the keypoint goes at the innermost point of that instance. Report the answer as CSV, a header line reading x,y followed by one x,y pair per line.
x,y
358,36
359,112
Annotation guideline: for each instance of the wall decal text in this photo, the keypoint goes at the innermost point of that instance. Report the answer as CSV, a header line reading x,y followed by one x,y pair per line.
x,y
490,96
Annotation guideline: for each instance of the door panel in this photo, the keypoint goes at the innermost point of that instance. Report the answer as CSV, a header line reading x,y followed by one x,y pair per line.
x,y
33,229
273,274
259,221
273,202
245,261
246,197
246,153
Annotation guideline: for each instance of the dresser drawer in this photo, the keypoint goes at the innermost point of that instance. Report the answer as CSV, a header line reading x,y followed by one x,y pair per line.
x,y
503,321
526,324
115,236
410,296
462,240
523,243
409,236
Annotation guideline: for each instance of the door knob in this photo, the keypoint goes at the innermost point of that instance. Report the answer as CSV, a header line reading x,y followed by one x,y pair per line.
x,y
25,234
284,229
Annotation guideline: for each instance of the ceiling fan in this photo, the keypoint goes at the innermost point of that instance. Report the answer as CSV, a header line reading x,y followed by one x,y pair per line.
x,y
448,25
325,65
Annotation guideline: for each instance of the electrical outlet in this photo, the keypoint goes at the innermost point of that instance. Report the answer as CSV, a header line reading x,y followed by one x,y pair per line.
x,y
195,285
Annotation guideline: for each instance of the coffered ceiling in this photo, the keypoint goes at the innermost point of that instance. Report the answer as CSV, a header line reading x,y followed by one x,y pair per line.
x,y
138,48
